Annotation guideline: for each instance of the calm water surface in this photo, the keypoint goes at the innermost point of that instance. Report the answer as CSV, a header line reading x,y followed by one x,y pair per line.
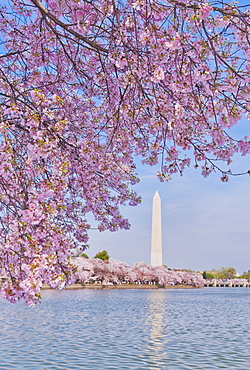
x,y
205,328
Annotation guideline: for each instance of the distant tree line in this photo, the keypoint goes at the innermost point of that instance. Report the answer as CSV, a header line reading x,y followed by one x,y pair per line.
x,y
224,273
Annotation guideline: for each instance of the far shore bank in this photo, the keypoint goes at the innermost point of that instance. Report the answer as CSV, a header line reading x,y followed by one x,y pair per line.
x,y
123,286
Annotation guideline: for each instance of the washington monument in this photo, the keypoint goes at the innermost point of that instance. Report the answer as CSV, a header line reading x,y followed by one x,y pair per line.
x,y
156,241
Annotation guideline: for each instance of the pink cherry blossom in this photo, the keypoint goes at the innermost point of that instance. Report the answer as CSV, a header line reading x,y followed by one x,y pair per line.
x,y
88,86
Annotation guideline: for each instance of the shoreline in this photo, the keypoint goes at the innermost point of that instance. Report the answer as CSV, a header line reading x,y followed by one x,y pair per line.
x,y
123,286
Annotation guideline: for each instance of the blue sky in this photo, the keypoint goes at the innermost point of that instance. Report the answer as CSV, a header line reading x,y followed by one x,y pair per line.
x,y
205,222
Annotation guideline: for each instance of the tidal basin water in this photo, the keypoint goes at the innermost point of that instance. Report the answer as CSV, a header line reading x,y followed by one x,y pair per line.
x,y
205,328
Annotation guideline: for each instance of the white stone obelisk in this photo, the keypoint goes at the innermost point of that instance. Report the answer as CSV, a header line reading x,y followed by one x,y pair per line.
x,y
156,241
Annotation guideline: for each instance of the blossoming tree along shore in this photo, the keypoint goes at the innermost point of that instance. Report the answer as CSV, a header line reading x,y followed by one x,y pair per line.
x,y
87,86
89,270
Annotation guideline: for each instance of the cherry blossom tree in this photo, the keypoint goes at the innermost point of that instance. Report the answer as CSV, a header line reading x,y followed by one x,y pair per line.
x,y
143,272
84,269
120,271
87,86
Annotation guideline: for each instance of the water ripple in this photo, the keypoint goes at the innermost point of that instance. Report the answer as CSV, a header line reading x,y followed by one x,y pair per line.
x,y
150,329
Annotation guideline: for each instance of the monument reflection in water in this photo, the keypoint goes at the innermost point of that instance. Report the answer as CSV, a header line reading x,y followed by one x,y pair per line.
x,y
157,325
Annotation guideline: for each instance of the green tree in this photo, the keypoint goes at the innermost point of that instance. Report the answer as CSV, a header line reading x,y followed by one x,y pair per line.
x,y
84,255
225,273
102,255
229,272
245,275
